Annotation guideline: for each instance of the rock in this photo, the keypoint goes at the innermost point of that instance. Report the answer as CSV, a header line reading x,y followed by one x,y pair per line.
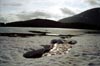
x,y
72,42
91,64
46,47
58,49
34,53
59,41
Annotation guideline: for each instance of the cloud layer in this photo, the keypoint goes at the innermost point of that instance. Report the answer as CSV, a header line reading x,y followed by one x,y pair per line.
x,y
15,10
93,2
67,11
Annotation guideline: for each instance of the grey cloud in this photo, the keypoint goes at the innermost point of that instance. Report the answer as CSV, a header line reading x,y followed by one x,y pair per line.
x,y
67,11
36,14
26,16
2,19
8,18
9,3
93,2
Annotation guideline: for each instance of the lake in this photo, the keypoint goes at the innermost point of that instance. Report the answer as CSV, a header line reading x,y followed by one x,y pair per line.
x,y
85,53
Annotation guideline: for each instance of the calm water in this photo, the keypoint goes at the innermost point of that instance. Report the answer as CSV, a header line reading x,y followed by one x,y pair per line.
x,y
51,30
13,48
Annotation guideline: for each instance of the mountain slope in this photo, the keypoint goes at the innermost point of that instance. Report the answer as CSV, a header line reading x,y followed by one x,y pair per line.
x,y
89,18
2,24
35,23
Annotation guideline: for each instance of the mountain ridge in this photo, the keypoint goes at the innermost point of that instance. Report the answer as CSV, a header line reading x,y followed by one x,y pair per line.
x,y
89,19
91,16
35,23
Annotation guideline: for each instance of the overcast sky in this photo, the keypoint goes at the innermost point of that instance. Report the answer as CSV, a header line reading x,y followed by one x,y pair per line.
x,y
14,10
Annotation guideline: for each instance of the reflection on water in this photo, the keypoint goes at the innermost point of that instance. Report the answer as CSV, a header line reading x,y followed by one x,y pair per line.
x,y
62,31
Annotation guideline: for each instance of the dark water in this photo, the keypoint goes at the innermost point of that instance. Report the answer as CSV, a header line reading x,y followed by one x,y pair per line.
x,y
51,30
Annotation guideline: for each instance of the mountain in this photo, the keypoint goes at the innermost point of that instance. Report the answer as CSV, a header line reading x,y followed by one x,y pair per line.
x,y
2,24
89,19
35,23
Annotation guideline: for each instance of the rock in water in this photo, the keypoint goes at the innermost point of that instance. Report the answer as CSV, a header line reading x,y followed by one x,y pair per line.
x,y
34,53
58,49
72,42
